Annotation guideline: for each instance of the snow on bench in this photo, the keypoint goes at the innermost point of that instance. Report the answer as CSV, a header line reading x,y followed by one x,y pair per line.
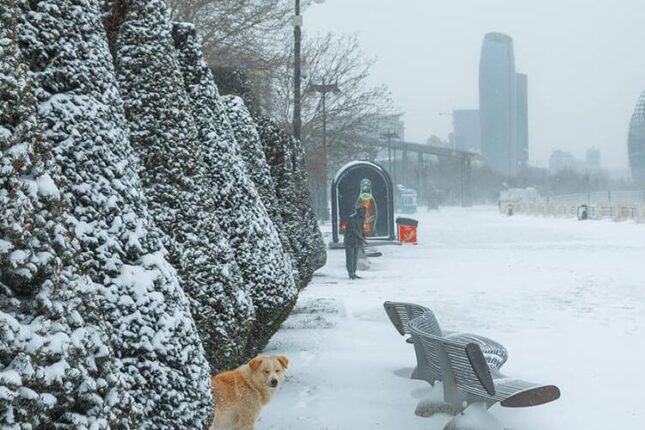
x,y
467,376
401,313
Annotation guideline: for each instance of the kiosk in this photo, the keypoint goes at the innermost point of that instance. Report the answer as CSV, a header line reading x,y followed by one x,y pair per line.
x,y
367,184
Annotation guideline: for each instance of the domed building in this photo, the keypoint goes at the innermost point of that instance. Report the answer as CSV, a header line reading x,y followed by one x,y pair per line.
x,y
636,142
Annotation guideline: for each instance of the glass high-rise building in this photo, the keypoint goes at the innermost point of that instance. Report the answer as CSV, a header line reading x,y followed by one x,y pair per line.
x,y
636,141
498,104
521,91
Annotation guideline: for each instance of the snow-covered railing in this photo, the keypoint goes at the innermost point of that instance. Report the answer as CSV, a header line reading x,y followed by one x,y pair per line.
x,y
614,205
607,198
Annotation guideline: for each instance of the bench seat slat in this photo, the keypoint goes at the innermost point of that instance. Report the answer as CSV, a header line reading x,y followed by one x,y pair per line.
x,y
509,391
471,372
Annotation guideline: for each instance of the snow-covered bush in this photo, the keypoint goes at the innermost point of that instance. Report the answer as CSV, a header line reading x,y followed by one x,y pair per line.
x,y
180,200
241,214
158,353
317,255
257,169
56,365
518,198
293,196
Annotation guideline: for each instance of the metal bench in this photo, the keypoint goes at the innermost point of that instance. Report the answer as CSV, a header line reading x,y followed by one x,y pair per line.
x,y
401,313
468,378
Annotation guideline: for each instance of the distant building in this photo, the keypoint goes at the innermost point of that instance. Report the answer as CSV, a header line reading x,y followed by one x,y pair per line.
x,y
497,103
636,141
503,107
562,160
467,133
521,88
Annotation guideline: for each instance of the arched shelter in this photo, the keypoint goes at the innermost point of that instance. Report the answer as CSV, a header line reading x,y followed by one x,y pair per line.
x,y
368,184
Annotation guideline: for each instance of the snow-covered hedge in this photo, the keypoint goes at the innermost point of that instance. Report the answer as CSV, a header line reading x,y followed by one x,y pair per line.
x,y
181,199
257,168
293,197
56,366
145,238
158,354
242,216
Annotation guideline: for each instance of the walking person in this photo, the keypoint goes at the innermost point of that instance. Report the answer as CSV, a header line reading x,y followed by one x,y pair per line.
x,y
354,239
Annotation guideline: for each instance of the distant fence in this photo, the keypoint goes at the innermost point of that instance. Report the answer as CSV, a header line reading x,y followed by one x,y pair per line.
x,y
614,205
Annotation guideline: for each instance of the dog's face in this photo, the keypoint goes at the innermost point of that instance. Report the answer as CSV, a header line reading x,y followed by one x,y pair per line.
x,y
269,371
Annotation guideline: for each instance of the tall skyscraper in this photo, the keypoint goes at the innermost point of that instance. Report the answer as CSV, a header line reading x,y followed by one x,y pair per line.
x,y
636,142
498,103
521,91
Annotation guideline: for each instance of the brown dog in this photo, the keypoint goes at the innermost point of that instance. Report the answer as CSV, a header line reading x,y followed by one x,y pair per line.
x,y
240,394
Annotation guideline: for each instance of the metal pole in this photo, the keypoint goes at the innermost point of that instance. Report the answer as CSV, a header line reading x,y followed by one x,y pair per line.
x,y
419,184
323,89
404,167
469,182
297,120
325,214
389,154
394,171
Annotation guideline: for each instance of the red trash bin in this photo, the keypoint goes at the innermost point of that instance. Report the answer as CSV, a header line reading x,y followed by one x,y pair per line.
x,y
407,230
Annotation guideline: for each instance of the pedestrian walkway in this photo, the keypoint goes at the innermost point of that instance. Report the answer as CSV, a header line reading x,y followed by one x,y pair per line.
x,y
537,285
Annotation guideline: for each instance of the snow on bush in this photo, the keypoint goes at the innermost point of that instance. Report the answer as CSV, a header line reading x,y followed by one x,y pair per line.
x,y
158,353
257,169
520,195
242,215
181,199
293,197
56,365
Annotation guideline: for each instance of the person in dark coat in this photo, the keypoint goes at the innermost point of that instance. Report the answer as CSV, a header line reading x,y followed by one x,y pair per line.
x,y
354,239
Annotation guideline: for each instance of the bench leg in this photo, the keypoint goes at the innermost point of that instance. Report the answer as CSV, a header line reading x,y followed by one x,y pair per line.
x,y
434,403
428,408
423,371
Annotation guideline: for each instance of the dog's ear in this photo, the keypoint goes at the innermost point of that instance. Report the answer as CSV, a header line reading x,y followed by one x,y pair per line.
x,y
255,363
284,361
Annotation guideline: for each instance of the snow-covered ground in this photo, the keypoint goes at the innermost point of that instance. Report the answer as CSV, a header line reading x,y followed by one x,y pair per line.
x,y
566,298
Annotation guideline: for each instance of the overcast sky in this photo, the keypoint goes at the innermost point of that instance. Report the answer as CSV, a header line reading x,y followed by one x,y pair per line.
x,y
585,61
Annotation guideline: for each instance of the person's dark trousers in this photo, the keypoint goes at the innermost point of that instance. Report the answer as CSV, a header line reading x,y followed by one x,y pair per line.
x,y
351,258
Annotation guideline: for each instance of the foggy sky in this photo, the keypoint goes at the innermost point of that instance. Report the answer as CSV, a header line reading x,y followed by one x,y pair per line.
x,y
585,61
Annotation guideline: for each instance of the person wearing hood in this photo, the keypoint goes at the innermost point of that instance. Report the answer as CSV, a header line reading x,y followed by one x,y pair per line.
x,y
354,239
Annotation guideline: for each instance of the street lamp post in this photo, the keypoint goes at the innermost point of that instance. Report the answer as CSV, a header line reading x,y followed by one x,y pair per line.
x,y
297,72
389,136
323,89
297,78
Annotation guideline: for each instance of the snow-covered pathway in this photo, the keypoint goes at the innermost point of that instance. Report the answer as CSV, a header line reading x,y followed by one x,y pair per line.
x,y
566,298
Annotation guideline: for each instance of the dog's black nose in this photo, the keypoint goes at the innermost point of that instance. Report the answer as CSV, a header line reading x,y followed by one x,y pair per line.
x,y
273,382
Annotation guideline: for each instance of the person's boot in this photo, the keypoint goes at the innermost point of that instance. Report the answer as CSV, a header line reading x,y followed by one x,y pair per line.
x,y
357,277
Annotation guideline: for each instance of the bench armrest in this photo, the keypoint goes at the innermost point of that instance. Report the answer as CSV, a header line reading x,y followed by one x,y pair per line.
x,y
495,353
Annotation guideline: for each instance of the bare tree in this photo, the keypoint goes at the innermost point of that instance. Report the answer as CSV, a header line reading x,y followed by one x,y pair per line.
x,y
332,59
238,34
248,45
